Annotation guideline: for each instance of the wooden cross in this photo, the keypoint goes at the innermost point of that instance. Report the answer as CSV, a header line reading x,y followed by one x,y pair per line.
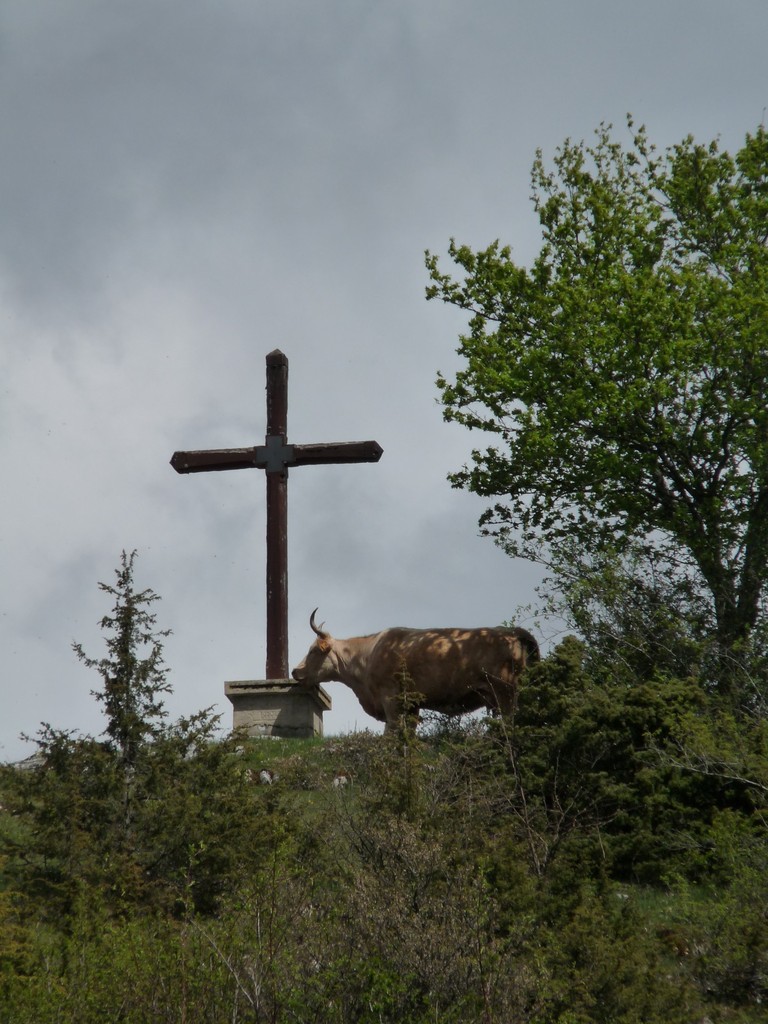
x,y
275,456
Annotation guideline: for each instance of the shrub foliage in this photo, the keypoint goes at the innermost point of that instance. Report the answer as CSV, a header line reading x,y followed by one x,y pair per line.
x,y
600,856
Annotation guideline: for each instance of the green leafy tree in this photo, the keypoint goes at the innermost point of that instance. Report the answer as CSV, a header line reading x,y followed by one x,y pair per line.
x,y
624,375
639,617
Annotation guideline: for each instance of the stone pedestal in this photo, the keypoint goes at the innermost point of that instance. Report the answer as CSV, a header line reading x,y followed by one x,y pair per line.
x,y
277,707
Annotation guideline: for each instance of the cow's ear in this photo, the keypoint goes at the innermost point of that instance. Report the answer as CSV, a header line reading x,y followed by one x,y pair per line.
x,y
324,645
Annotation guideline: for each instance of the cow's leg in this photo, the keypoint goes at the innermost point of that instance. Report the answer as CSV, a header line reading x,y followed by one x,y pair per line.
x,y
503,694
507,701
391,715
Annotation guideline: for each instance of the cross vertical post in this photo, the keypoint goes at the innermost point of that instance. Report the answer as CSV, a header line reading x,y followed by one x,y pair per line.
x,y
275,456
277,521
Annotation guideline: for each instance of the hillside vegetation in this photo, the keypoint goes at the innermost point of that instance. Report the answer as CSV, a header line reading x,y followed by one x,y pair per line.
x,y
601,857
597,858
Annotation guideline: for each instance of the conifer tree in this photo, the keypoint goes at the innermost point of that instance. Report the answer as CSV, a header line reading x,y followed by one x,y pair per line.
x,y
130,815
132,685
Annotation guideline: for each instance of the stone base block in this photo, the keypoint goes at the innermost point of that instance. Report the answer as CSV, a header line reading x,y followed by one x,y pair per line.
x,y
277,707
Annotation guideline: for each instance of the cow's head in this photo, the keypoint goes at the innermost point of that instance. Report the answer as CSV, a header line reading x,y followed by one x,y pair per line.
x,y
319,665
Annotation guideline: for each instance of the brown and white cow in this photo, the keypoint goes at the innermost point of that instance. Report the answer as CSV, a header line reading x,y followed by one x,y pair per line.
x,y
448,670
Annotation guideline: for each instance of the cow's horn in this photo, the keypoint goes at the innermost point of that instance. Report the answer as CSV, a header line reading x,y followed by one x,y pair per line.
x,y
316,629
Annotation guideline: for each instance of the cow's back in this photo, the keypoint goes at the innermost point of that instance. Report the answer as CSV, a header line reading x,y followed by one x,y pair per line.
x,y
453,669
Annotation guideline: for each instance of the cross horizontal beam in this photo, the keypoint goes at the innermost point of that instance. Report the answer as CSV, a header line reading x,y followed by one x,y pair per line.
x,y
276,455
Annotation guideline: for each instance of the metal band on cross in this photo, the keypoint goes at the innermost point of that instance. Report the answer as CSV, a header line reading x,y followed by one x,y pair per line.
x,y
275,456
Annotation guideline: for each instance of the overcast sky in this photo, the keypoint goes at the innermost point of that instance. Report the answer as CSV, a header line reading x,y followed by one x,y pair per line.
x,y
187,185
